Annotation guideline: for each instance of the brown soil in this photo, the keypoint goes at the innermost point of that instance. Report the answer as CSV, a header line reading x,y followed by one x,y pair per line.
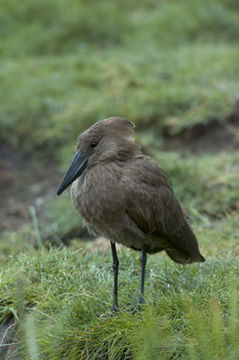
x,y
24,181
211,137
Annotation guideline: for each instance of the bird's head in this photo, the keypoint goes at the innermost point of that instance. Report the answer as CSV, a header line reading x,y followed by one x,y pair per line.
x,y
107,140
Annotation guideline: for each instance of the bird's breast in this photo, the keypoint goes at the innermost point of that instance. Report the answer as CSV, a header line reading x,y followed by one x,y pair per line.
x,y
97,198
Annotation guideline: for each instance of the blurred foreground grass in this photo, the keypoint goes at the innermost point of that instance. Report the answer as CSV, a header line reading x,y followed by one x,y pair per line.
x,y
164,65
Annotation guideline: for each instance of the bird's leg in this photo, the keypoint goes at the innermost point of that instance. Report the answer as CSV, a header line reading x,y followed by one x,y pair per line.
x,y
143,261
115,268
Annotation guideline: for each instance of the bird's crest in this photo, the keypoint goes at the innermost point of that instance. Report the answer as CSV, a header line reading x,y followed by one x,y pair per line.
x,y
113,126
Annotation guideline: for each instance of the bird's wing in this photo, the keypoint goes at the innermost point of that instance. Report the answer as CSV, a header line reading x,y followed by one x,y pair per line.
x,y
150,202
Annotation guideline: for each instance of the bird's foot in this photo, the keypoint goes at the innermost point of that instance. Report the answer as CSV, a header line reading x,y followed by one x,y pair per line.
x,y
138,306
114,310
135,309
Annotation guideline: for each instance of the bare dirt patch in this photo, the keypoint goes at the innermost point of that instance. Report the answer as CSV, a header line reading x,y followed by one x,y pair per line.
x,y
214,136
25,180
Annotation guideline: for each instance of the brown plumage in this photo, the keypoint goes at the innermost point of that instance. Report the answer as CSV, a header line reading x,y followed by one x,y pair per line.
x,y
125,197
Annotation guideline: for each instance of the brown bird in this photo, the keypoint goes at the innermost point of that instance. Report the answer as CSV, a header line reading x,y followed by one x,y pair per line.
x,y
125,197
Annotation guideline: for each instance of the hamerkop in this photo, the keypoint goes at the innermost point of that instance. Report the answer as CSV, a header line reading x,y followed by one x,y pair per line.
x,y
125,197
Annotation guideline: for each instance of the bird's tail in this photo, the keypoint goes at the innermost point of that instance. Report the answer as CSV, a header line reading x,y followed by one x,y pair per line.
x,y
182,258
185,249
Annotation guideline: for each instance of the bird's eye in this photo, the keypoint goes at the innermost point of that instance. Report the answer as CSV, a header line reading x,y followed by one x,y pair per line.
x,y
94,144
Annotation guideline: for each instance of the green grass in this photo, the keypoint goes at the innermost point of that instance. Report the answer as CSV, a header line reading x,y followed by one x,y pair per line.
x,y
69,26
190,310
207,184
155,63
155,89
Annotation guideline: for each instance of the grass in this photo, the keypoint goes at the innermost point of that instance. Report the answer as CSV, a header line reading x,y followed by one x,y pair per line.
x,y
183,303
76,71
163,65
213,177
155,90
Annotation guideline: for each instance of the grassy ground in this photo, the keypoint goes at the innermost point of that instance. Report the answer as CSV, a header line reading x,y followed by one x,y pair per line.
x,y
167,66
191,312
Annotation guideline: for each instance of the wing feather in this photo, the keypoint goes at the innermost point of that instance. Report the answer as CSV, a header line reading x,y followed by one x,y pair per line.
x,y
150,202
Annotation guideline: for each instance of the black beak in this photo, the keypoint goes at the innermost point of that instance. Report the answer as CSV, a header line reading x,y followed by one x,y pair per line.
x,y
76,168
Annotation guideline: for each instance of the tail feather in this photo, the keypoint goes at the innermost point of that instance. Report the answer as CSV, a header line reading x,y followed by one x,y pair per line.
x,y
182,258
184,248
